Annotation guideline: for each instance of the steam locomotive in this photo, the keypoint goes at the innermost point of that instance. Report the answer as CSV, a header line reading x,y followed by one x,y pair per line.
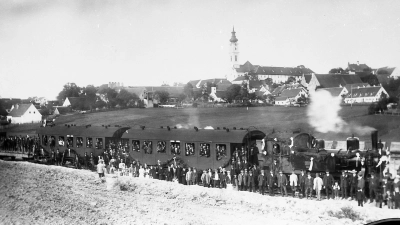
x,y
301,151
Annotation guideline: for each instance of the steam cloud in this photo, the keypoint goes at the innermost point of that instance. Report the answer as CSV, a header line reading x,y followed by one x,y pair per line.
x,y
323,115
193,121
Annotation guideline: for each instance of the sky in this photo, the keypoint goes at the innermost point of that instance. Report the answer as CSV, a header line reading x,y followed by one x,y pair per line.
x,y
45,44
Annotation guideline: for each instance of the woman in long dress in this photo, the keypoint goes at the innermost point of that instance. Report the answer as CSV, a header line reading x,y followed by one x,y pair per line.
x,y
141,172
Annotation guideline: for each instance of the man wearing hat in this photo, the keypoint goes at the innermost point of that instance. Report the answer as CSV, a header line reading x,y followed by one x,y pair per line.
x,y
353,184
308,184
328,184
373,186
344,183
282,182
318,183
302,181
271,182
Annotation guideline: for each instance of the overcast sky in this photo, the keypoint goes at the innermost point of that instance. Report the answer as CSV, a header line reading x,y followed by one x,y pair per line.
x,y
47,43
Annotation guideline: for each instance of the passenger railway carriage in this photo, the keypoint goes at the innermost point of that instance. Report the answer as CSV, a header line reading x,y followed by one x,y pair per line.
x,y
200,148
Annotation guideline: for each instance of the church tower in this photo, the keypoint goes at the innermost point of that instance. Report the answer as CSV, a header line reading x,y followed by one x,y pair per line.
x,y
234,50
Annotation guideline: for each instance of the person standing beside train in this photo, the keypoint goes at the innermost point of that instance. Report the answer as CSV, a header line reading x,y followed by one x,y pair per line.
x,y
344,183
328,184
282,183
240,181
261,182
271,182
318,183
293,182
309,183
373,186
353,184
302,182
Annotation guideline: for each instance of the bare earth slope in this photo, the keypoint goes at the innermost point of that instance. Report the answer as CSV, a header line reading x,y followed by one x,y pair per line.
x,y
39,194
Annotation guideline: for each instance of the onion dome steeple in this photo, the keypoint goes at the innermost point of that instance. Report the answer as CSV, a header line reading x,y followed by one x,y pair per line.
x,y
233,38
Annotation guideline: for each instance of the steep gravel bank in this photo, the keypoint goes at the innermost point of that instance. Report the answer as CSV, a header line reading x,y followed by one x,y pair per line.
x,y
39,194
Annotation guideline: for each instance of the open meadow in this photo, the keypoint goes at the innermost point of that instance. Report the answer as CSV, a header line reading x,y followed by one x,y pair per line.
x,y
263,118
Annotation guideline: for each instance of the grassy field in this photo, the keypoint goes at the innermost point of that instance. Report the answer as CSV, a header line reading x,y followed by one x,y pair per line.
x,y
263,118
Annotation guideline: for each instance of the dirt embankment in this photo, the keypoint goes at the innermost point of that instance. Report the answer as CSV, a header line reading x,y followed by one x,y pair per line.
x,y
38,194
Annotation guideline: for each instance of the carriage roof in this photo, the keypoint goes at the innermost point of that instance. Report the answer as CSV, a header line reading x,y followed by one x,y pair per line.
x,y
202,135
91,131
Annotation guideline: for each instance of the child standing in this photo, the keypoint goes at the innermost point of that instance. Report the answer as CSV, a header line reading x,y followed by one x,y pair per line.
x,y
379,198
336,189
360,197
390,199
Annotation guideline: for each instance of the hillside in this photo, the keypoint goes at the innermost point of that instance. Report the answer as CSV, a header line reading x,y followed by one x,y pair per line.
x,y
263,118
32,193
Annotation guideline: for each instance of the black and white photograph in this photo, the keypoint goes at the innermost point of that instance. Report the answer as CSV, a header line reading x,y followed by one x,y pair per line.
x,y
199,112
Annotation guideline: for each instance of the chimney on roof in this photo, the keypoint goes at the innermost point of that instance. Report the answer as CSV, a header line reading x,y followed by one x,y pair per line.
x,y
358,63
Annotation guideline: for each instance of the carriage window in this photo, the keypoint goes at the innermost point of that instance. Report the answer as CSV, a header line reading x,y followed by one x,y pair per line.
x,y
89,142
60,140
136,145
44,139
161,146
79,142
52,141
125,144
176,147
189,149
221,151
147,147
99,143
205,149
69,141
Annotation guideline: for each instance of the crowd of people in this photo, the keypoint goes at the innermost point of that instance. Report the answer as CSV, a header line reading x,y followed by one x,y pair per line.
x,y
24,144
249,177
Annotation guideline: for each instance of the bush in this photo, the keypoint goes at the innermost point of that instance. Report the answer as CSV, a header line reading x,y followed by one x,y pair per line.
x,y
345,212
372,109
195,104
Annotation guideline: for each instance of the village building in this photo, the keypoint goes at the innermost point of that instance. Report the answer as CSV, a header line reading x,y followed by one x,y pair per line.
x,y
291,96
358,68
24,113
340,92
365,94
62,110
332,80
277,74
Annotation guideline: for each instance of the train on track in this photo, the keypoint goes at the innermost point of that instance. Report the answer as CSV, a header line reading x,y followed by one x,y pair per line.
x,y
205,148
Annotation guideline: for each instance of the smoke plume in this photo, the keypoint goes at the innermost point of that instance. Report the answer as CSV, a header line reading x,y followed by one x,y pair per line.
x,y
323,115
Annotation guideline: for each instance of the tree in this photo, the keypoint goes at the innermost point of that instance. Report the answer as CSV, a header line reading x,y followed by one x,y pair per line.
x,y
253,76
89,92
290,80
188,90
162,96
124,98
301,99
370,79
181,97
338,70
232,92
244,90
109,96
69,90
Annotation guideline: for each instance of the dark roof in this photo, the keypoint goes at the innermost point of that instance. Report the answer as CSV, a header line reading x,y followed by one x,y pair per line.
x,y
352,86
334,91
240,78
291,92
92,131
194,82
136,90
272,70
202,135
307,78
281,98
383,79
363,92
174,92
76,101
63,110
256,83
357,67
336,80
389,70
19,110
278,90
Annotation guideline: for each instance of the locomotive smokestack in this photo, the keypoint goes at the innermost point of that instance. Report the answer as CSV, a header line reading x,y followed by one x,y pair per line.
x,y
374,140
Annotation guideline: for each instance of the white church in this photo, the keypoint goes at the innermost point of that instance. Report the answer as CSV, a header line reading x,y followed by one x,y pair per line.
x,y
277,74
